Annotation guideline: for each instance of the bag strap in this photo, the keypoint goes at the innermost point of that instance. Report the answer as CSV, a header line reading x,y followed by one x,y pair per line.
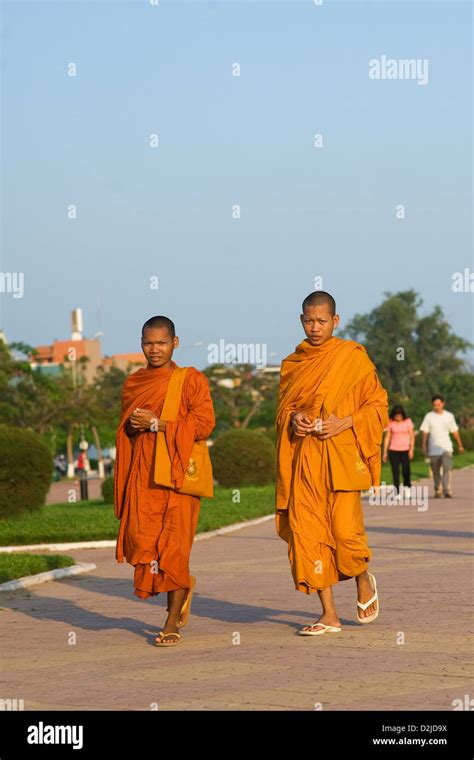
x,y
173,395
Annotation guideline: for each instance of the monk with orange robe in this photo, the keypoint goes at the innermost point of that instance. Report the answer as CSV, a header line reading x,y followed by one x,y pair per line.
x,y
158,524
331,414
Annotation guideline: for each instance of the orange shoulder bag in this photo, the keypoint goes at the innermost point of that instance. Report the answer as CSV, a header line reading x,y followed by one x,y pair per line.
x,y
198,480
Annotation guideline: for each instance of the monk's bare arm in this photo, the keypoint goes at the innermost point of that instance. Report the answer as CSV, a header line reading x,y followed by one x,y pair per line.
x,y
333,426
301,424
371,415
345,423
144,420
130,430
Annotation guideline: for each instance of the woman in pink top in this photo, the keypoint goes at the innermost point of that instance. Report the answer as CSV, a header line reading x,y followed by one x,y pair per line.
x,y
399,443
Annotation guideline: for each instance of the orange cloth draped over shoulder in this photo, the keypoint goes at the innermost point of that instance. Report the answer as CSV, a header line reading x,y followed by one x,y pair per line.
x,y
158,524
318,505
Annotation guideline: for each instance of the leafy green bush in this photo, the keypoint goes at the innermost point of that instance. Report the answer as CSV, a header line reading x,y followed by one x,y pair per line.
x,y
26,468
467,438
243,458
107,489
271,433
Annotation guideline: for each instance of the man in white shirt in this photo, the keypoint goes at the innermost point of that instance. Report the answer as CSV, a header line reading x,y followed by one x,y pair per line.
x,y
438,424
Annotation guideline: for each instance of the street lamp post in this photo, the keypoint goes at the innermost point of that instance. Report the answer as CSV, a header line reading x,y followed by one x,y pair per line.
x,y
83,445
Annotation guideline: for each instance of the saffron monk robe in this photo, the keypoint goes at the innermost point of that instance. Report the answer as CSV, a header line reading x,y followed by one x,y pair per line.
x,y
331,414
158,524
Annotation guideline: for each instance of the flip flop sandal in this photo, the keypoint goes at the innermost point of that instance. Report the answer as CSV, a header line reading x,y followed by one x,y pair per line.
x,y
324,629
186,608
374,598
161,638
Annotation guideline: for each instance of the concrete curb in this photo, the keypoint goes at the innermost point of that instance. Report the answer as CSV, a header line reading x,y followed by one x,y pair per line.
x,y
59,547
49,575
234,526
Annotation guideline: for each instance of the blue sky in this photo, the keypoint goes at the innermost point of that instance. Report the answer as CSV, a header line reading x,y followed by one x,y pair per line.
x,y
225,140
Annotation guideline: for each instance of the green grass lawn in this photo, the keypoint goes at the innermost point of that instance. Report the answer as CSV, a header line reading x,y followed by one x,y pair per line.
x,y
16,565
95,521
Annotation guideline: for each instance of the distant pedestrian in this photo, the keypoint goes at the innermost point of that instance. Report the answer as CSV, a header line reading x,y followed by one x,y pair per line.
x,y
81,462
399,444
438,424
60,465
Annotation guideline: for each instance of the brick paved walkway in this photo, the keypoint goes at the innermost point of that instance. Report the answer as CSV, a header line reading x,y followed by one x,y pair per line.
x,y
423,564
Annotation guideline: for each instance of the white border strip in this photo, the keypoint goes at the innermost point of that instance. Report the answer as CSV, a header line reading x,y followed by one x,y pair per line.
x,y
49,575
59,547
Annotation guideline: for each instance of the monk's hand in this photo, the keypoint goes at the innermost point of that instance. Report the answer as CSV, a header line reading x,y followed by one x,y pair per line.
x,y
302,424
145,419
330,427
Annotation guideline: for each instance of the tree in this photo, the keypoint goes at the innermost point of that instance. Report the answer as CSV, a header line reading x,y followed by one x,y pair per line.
x,y
55,405
416,356
249,402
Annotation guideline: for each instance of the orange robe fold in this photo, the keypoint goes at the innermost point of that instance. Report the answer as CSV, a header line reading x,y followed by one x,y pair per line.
x,y
158,524
317,499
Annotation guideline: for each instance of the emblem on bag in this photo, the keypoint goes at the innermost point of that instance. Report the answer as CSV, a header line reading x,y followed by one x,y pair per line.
x,y
192,468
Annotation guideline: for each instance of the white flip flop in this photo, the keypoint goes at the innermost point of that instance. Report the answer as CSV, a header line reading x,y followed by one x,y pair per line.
x,y
324,629
363,606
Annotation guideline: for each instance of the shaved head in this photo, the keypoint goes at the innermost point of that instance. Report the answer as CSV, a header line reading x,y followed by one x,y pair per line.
x,y
160,322
320,298
319,317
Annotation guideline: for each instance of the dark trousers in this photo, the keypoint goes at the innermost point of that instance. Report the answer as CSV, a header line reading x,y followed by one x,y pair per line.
x,y
398,458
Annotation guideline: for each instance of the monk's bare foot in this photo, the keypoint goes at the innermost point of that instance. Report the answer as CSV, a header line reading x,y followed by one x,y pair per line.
x,y
170,627
325,618
365,591
167,639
